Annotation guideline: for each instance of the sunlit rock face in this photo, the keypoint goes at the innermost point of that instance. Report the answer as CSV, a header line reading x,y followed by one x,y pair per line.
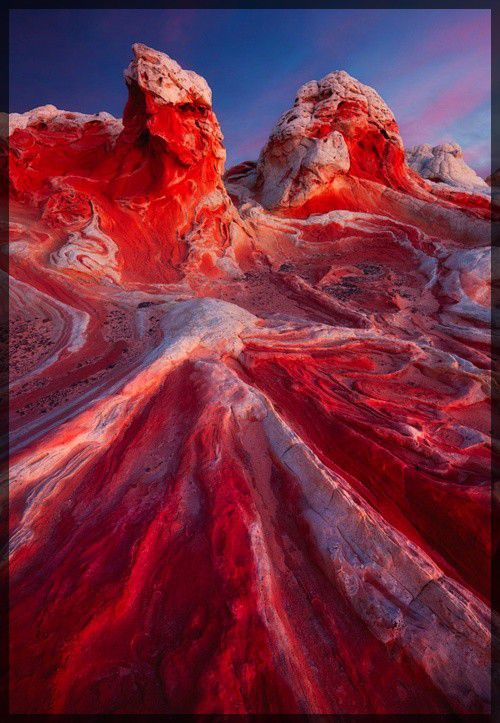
x,y
445,164
155,178
250,428
339,147
336,126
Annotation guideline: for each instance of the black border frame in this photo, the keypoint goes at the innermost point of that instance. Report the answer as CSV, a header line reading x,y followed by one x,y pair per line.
x,y
494,7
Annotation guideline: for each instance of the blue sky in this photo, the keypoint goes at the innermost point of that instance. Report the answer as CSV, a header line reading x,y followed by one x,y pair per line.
x,y
431,66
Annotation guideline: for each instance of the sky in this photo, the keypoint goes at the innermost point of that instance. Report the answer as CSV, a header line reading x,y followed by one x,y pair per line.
x,y
432,67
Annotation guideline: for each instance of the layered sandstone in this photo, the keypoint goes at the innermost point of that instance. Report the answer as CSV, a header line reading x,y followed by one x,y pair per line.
x,y
250,429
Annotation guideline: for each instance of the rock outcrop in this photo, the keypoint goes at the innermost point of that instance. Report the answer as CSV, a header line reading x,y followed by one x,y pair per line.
x,y
165,158
445,164
250,431
339,147
336,126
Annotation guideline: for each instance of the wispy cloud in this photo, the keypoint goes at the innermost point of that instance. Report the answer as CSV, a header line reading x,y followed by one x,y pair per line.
x,y
470,30
442,109
431,66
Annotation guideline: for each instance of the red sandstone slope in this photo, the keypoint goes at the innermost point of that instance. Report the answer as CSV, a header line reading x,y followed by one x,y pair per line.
x,y
250,448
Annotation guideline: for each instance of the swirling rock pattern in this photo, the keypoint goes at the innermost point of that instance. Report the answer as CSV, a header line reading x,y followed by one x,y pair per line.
x,y
249,427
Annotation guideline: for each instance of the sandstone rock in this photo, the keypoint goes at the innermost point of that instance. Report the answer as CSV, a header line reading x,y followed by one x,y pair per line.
x,y
445,164
157,73
249,447
339,147
336,126
49,114
166,157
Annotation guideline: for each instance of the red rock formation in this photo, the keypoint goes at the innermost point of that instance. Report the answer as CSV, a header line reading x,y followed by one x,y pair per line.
x,y
249,449
156,178
337,127
339,147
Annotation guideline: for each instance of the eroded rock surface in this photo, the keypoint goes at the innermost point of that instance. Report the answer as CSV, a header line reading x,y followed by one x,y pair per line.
x,y
445,164
250,428
326,134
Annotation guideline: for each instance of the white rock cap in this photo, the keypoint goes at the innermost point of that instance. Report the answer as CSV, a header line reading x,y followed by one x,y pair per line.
x,y
161,75
444,163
